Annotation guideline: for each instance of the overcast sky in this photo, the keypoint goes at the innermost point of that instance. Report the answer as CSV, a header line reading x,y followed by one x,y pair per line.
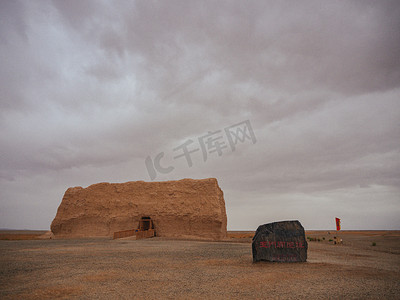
x,y
308,92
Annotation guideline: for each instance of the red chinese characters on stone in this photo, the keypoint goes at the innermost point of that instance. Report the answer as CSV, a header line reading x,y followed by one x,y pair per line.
x,y
281,244
290,245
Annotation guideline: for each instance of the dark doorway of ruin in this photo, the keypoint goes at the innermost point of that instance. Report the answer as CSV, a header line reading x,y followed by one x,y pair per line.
x,y
145,223
145,228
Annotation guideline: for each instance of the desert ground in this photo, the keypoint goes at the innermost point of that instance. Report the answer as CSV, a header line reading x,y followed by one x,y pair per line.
x,y
366,266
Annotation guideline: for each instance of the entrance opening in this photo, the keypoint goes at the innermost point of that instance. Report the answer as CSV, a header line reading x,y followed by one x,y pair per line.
x,y
145,228
145,223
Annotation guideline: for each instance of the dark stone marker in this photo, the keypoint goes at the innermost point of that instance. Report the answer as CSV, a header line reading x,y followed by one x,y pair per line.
x,y
281,242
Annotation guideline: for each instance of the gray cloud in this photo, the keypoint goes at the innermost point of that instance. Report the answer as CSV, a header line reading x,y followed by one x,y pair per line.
x,y
90,89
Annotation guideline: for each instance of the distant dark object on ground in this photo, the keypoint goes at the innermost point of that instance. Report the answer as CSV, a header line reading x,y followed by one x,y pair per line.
x,y
283,241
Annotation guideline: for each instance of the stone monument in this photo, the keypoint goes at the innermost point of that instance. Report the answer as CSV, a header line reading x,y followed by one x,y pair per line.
x,y
283,241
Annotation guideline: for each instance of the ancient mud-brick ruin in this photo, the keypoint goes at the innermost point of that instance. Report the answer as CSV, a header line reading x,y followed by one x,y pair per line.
x,y
185,208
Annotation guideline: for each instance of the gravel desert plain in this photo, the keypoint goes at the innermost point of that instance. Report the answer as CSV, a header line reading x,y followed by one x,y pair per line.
x,y
366,266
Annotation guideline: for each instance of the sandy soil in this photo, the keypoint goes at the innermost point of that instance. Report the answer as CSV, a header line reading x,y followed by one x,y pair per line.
x,y
159,268
21,234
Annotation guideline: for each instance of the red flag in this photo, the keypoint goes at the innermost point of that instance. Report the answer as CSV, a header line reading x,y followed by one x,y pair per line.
x,y
337,224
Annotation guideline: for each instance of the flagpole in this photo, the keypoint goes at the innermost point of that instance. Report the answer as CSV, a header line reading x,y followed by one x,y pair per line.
x,y
337,237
